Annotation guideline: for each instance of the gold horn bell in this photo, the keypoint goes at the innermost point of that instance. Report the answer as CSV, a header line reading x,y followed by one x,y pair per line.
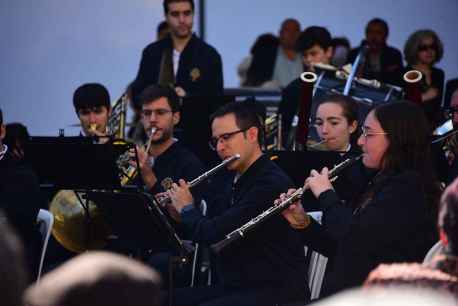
x,y
76,228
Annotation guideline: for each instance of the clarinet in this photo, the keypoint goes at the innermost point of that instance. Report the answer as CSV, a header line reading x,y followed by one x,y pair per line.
x,y
276,209
163,201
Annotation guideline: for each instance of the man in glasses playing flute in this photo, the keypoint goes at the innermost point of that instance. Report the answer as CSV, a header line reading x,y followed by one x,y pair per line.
x,y
268,266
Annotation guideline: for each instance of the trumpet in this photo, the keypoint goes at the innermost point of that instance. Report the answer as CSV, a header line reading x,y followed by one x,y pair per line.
x,y
163,201
276,209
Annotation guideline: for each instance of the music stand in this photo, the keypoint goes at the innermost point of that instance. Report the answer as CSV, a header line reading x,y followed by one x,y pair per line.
x,y
75,162
137,221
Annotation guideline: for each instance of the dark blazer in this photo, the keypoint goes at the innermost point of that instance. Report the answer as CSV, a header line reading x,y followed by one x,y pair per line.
x,y
394,224
200,71
20,199
432,107
272,255
390,62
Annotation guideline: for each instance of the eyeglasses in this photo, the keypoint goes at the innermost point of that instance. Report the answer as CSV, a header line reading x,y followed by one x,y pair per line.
x,y
365,133
427,47
157,112
224,137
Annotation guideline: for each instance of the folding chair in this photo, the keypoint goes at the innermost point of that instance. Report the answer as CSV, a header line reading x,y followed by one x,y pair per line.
x,y
45,221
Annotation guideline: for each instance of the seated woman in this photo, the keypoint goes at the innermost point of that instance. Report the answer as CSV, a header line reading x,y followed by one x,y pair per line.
x,y
336,122
422,51
392,220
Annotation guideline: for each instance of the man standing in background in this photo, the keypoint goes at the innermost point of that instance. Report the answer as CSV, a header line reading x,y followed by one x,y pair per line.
x,y
181,59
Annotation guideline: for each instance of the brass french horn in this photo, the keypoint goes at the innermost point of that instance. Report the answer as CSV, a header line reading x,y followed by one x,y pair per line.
x,y
78,224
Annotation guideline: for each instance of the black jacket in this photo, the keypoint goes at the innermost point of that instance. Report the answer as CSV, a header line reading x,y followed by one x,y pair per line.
x,y
272,254
176,163
390,65
21,200
393,225
200,71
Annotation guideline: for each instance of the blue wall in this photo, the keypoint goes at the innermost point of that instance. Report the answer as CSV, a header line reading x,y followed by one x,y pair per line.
x,y
49,47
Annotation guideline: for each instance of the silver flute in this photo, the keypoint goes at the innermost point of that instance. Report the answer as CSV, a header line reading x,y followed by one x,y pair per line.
x,y
163,201
276,209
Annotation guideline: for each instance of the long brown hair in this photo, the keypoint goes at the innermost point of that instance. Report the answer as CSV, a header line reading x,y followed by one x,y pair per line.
x,y
409,148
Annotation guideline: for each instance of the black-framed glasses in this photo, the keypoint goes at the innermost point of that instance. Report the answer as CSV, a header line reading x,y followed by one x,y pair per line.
x,y
224,137
157,112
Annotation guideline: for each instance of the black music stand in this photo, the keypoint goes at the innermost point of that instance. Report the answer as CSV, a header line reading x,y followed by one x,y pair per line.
x,y
137,221
75,162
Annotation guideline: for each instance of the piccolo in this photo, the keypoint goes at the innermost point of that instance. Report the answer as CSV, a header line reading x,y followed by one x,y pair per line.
x,y
165,200
276,209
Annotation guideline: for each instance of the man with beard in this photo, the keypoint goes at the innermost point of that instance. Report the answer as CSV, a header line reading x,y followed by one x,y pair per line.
x,y
167,161
180,60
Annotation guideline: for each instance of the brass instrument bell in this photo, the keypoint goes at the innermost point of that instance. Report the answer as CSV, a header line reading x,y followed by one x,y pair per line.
x,y
77,228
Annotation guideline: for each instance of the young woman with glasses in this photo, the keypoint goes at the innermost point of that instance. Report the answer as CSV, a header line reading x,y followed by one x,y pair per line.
x,y
392,219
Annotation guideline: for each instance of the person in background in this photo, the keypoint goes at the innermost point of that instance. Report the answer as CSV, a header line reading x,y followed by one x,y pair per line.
x,y
288,62
263,53
92,106
422,51
314,44
341,47
180,60
20,200
382,62
273,62
16,139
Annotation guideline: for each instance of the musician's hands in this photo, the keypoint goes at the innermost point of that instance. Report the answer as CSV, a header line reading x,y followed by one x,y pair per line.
x,y
180,195
295,213
148,176
318,182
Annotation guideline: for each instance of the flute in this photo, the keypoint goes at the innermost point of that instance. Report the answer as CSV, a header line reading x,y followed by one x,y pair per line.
x,y
276,209
163,201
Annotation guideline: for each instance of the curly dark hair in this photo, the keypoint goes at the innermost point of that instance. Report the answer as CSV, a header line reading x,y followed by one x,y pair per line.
x,y
414,41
